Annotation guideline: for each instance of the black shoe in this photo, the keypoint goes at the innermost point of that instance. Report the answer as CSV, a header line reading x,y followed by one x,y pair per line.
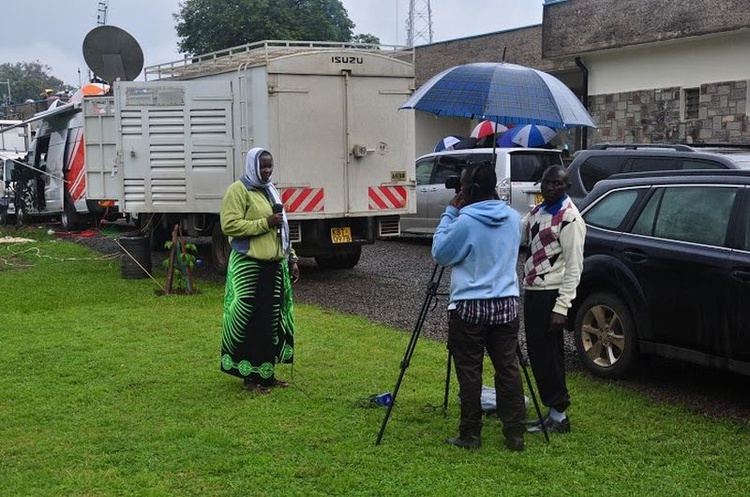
x,y
465,442
514,443
551,425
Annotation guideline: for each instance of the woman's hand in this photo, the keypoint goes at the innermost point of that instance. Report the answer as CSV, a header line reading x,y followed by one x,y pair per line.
x,y
294,272
457,201
556,323
275,220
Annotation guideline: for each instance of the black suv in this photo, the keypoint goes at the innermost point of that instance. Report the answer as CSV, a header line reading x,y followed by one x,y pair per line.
x,y
666,271
603,160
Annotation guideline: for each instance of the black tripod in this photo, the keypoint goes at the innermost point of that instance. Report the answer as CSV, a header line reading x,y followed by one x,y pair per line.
x,y
432,293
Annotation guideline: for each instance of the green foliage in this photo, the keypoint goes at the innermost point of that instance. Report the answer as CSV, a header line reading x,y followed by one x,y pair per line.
x,y
184,261
107,389
27,81
366,38
209,25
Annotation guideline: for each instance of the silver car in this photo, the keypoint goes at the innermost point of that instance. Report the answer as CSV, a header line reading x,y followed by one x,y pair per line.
x,y
518,172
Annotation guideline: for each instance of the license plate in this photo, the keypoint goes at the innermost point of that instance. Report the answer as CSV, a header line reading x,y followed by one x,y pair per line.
x,y
341,235
538,198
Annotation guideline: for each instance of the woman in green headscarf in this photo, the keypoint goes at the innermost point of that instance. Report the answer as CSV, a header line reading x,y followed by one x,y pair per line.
x,y
258,327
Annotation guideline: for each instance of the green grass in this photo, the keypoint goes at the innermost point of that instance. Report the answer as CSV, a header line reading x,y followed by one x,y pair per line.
x,y
109,389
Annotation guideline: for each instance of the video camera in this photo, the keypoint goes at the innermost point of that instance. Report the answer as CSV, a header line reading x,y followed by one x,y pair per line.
x,y
454,182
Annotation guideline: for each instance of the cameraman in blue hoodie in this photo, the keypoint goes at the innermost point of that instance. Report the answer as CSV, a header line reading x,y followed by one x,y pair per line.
x,y
478,236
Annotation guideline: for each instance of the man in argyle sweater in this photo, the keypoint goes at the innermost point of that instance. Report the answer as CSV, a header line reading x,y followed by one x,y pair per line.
x,y
554,233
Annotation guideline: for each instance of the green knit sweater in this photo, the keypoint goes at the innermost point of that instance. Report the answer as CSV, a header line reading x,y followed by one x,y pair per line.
x,y
243,220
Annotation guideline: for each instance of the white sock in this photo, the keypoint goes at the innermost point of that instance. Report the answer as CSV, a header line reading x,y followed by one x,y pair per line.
x,y
557,415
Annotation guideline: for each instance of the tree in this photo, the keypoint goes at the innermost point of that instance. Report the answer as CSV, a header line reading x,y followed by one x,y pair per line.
x,y
366,38
209,25
28,80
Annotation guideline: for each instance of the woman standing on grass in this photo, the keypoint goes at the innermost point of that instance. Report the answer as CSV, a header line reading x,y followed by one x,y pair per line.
x,y
258,327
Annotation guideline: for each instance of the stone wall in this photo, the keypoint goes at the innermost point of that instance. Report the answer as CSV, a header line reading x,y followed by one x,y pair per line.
x,y
575,27
651,116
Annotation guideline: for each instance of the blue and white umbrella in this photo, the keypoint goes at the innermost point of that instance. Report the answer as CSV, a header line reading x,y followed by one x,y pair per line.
x,y
528,135
447,143
501,92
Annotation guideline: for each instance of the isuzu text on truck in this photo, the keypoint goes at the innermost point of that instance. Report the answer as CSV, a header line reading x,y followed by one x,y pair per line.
x,y
168,148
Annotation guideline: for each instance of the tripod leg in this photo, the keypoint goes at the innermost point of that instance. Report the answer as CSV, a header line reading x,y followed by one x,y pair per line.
x,y
432,288
522,361
447,383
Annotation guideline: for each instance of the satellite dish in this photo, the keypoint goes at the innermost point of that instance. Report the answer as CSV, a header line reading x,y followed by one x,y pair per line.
x,y
111,53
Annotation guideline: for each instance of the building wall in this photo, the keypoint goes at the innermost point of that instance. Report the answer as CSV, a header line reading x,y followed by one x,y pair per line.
x,y
637,93
575,27
640,56
686,63
520,46
654,115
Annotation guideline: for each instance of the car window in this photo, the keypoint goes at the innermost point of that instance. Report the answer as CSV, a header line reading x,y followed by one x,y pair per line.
x,y
644,225
640,164
702,164
610,211
697,214
529,166
424,170
597,168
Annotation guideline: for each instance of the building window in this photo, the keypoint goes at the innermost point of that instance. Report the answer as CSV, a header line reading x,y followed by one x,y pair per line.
x,y
691,100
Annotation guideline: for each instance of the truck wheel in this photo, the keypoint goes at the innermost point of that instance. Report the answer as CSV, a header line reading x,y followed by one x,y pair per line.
x,y
69,216
342,260
605,336
20,216
219,249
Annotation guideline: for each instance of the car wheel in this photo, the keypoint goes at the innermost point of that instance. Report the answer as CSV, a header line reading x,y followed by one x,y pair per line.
x,y
69,216
20,216
605,336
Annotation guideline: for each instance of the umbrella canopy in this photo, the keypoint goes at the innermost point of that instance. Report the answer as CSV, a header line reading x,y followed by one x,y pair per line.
x,y
501,92
487,128
447,143
528,135
454,142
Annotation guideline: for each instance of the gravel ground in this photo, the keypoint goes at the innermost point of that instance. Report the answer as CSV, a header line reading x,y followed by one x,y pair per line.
x,y
389,286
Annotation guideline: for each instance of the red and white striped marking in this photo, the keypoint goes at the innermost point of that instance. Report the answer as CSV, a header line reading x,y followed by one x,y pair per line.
x,y
303,199
75,175
386,197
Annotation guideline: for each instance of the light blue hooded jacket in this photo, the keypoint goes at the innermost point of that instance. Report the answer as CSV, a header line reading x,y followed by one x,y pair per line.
x,y
480,242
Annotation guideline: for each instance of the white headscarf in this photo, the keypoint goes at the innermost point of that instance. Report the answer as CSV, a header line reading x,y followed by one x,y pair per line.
x,y
253,181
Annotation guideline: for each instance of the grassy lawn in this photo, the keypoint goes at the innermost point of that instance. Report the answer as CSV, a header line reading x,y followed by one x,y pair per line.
x,y
107,388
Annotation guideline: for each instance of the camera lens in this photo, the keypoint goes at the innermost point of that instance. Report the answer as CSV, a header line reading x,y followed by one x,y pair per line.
x,y
453,183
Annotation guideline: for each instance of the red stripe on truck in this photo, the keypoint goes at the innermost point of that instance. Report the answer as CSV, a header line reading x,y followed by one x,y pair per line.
x,y
386,197
302,199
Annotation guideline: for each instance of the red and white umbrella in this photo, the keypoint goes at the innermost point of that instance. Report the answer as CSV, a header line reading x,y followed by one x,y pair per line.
x,y
528,135
487,128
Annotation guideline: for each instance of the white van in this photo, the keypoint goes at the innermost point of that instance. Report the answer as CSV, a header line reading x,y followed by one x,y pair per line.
x,y
519,171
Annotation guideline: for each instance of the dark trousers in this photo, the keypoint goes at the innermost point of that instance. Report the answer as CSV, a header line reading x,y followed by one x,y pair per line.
x,y
546,351
467,343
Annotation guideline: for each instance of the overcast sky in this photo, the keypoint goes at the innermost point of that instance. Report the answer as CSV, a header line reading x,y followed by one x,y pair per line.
x,y
52,32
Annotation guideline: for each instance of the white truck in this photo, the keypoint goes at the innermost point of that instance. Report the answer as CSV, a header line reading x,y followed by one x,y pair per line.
x,y
168,148
50,180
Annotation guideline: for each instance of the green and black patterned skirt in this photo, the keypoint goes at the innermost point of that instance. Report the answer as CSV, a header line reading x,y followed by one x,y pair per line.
x,y
258,328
